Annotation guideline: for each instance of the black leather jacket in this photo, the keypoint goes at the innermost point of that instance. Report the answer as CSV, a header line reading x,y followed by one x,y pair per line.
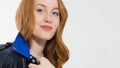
x,y
11,59
16,54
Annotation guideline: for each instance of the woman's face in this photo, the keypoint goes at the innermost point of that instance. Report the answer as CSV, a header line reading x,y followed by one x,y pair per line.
x,y
46,14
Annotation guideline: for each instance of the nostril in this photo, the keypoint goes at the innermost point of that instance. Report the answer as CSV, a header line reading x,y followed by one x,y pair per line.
x,y
48,21
48,18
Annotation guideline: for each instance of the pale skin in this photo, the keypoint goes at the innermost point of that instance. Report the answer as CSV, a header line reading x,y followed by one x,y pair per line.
x,y
46,13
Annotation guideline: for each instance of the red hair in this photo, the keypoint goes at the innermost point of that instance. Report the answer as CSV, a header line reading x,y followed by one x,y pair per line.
x,y
55,50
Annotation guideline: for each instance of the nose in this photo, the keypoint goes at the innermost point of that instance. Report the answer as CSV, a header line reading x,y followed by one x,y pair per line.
x,y
48,18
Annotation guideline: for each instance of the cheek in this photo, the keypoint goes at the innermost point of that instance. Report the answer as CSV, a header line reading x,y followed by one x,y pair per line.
x,y
38,18
57,22
56,26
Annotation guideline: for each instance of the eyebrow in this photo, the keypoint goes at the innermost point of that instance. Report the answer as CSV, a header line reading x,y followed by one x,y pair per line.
x,y
40,5
55,8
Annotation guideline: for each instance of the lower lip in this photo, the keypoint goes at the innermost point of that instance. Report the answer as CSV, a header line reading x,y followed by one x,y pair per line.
x,y
46,28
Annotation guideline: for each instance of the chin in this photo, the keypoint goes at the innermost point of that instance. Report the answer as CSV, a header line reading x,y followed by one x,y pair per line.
x,y
48,38
45,37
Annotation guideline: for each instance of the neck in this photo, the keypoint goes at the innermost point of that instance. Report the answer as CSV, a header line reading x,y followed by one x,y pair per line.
x,y
37,47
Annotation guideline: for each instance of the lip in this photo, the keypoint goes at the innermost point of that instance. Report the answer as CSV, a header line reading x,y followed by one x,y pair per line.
x,y
46,27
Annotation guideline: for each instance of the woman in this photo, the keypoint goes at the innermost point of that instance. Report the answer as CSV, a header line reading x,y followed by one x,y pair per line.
x,y
39,42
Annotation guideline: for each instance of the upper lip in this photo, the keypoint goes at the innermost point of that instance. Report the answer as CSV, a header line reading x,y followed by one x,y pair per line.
x,y
46,26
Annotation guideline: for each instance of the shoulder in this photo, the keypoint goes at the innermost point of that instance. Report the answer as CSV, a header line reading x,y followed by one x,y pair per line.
x,y
10,58
5,50
4,46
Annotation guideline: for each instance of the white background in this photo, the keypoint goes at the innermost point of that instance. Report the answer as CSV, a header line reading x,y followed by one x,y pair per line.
x,y
92,32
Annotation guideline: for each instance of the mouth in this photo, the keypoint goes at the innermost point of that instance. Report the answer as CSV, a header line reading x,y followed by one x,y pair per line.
x,y
46,27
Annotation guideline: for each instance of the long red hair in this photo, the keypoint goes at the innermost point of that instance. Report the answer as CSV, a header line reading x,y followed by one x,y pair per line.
x,y
55,50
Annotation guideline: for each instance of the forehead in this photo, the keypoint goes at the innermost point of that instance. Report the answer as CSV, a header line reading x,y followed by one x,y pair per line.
x,y
47,3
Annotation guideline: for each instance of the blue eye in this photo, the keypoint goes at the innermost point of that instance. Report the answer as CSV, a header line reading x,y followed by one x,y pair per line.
x,y
40,10
55,13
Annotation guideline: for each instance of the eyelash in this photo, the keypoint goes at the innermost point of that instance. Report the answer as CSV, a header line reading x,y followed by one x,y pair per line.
x,y
39,10
55,13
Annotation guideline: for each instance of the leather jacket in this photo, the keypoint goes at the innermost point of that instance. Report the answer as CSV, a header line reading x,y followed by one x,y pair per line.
x,y
11,59
16,54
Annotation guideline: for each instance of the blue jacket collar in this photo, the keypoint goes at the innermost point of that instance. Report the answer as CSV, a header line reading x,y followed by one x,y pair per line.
x,y
21,46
